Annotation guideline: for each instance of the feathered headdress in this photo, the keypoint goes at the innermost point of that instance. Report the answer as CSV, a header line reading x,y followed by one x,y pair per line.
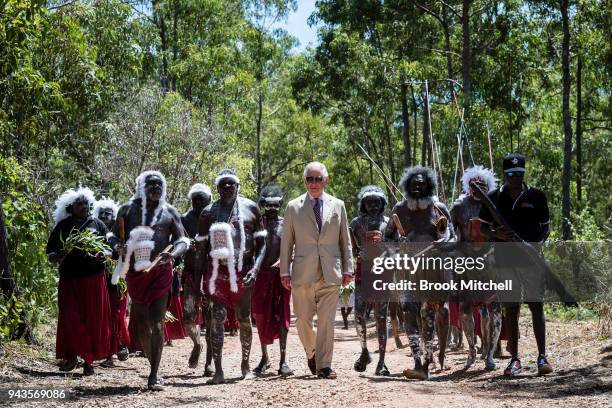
x,y
67,199
199,188
140,193
105,203
478,172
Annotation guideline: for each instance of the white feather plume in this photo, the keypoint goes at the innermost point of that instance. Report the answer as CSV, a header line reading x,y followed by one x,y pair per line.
x,y
68,198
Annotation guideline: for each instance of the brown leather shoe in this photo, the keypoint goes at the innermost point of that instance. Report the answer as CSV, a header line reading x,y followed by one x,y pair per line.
x,y
327,373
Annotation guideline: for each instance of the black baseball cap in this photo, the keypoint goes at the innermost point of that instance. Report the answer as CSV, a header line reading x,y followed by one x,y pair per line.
x,y
514,162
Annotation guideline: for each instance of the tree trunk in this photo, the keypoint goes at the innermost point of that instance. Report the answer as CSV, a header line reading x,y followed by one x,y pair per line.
x,y
174,41
258,142
447,49
579,130
415,129
567,124
466,56
158,17
405,124
389,149
426,132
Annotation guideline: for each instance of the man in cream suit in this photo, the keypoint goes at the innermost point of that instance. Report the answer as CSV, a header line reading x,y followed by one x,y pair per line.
x,y
315,231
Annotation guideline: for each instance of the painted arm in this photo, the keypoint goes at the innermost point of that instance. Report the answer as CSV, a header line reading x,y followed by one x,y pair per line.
x,y
260,247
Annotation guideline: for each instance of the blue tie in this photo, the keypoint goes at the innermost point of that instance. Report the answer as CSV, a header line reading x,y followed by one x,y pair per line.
x,y
317,212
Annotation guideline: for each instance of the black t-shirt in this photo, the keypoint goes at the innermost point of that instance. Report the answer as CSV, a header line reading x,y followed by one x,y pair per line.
x,y
76,264
527,215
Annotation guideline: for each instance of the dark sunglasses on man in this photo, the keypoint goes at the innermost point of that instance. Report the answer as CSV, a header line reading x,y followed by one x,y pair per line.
x,y
317,179
515,173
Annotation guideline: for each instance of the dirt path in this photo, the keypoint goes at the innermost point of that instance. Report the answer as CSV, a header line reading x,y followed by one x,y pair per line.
x,y
582,377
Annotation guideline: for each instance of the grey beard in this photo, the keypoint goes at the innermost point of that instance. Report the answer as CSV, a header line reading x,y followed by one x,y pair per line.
x,y
418,203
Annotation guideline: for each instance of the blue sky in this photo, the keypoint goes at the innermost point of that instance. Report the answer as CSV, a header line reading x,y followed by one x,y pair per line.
x,y
297,24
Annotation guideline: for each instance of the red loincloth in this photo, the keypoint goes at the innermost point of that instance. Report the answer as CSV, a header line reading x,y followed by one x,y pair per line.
x,y
174,330
223,294
133,331
83,324
270,304
119,332
147,287
358,272
454,314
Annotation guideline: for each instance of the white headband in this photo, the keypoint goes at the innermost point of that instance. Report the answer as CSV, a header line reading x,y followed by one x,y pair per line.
x,y
226,176
373,193
272,199
199,188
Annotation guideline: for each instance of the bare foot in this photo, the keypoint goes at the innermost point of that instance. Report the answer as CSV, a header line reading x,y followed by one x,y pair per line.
x,y
155,384
284,370
194,358
218,378
208,371
263,365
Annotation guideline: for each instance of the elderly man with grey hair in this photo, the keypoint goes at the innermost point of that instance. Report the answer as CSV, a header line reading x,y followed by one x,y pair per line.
x,y
316,232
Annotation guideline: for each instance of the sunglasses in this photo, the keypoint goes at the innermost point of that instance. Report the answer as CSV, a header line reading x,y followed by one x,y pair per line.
x,y
317,179
515,173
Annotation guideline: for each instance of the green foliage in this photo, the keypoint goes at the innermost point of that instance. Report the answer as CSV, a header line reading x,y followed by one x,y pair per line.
x,y
584,311
10,316
90,243
27,223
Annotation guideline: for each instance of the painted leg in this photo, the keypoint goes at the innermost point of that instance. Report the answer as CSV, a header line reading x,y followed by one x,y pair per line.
x,y
380,314
360,326
218,314
243,314
495,320
467,323
443,318
283,369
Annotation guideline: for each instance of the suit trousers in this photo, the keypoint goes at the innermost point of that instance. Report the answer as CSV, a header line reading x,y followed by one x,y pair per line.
x,y
318,298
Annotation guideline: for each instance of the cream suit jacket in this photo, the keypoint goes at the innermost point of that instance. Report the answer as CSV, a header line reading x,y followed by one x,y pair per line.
x,y
301,238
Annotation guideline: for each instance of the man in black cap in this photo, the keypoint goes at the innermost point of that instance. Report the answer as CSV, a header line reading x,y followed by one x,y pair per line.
x,y
525,210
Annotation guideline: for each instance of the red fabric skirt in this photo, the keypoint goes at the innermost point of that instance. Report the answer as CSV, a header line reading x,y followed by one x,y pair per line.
x,y
223,293
83,324
133,331
147,287
119,332
174,330
454,314
270,305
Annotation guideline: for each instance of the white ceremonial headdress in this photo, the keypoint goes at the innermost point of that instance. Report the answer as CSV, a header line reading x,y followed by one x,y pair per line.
x,y
67,199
